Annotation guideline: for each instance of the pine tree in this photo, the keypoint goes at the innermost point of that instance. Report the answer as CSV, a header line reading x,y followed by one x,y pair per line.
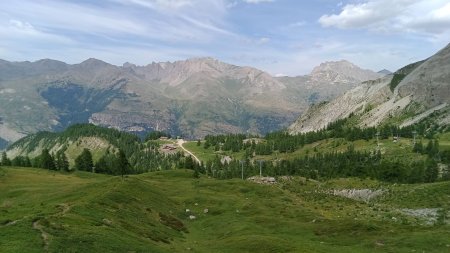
x,y
417,174
46,160
62,163
84,161
123,163
101,166
429,148
431,171
27,162
435,149
189,163
5,160
418,147
196,174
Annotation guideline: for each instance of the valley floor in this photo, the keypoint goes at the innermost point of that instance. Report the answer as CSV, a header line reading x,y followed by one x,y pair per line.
x,y
170,211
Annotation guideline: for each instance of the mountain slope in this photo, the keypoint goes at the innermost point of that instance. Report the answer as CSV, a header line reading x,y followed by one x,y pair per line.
x,y
405,97
73,140
192,98
327,81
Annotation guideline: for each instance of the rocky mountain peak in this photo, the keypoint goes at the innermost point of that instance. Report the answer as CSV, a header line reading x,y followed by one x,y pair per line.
x,y
334,65
93,63
384,72
128,65
343,72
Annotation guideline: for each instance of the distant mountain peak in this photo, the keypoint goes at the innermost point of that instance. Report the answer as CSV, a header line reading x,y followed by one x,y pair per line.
x,y
342,71
202,59
384,72
128,65
94,62
47,60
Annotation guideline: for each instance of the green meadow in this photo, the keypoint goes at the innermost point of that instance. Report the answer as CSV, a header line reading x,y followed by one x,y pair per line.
x,y
170,211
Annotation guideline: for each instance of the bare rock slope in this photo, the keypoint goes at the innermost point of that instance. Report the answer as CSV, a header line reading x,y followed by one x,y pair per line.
x,y
405,97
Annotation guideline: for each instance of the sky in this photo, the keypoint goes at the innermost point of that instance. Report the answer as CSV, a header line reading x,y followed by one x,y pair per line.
x,y
282,37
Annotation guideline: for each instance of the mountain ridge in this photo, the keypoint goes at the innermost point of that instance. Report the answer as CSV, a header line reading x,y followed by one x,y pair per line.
x,y
412,91
194,97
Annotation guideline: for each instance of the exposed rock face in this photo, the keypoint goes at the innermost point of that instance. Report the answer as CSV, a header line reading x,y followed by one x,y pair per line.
x,y
429,83
192,98
417,89
341,72
355,100
365,195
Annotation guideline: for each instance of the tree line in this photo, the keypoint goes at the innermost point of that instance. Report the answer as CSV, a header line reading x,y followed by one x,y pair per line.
x,y
350,163
130,155
283,142
127,154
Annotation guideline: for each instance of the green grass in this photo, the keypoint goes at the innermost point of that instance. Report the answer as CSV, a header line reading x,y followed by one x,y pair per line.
x,y
83,212
209,154
401,149
444,141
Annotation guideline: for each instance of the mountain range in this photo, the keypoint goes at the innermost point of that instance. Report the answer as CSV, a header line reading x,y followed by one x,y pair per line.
x,y
192,98
407,96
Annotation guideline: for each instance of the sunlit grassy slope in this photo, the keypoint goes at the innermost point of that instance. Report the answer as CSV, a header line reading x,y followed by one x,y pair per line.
x,y
402,149
84,212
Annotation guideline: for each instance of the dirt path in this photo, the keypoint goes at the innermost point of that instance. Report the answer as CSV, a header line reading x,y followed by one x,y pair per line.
x,y
64,207
44,235
180,143
13,222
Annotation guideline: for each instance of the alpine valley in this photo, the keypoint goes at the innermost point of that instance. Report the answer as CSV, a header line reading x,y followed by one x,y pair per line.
x,y
191,98
368,171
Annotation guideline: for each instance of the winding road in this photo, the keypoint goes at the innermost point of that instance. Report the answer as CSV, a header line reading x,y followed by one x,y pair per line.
x,y
180,143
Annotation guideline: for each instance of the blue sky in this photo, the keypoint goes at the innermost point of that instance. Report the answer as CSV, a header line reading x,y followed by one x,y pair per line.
x,y
282,37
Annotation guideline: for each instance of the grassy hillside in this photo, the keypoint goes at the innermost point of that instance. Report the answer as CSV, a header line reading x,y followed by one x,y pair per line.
x,y
84,212
391,150
100,141
209,154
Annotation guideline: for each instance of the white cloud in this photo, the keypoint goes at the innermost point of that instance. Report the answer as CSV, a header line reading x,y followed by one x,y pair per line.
x,y
263,40
436,21
13,31
417,16
24,26
231,4
160,20
297,24
160,5
365,14
258,1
